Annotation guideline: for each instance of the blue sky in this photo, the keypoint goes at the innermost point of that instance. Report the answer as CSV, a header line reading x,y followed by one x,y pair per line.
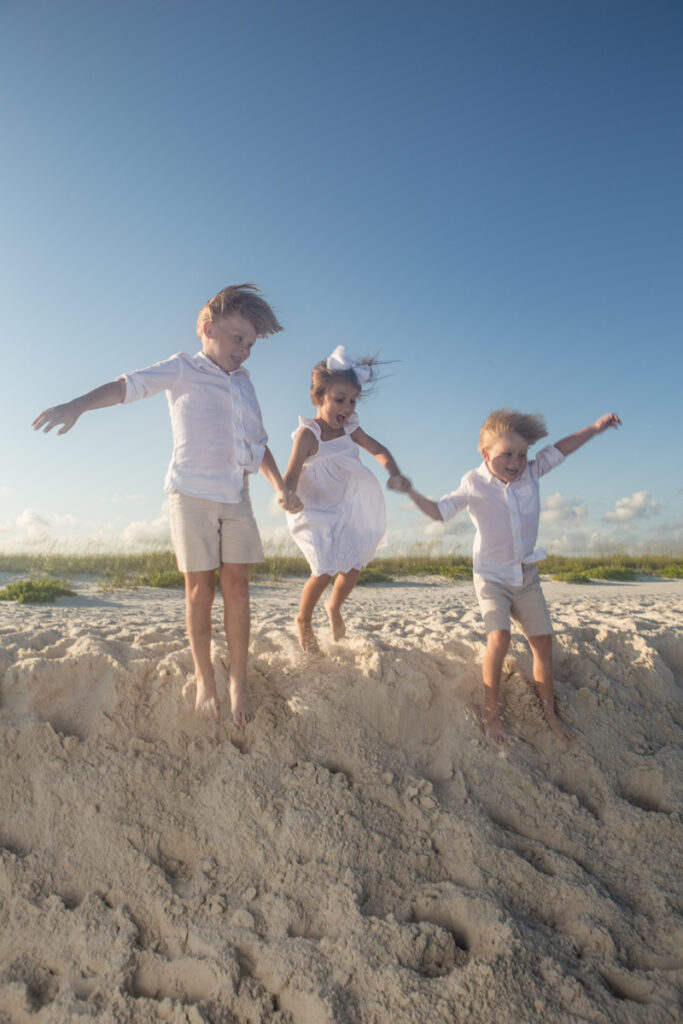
x,y
486,192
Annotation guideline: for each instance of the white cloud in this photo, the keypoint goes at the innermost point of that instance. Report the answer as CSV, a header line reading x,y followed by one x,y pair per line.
x,y
28,530
66,520
639,506
558,509
277,540
458,526
148,533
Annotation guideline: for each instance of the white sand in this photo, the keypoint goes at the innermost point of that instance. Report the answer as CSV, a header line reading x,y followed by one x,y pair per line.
x,y
359,854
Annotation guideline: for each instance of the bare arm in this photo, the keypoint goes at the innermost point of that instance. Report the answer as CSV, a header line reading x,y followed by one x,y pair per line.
x,y
67,414
396,481
569,444
287,498
426,505
305,445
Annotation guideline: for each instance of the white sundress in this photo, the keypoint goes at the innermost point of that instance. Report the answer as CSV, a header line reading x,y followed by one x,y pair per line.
x,y
344,516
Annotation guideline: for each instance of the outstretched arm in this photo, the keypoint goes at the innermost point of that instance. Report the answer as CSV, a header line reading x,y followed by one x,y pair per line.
x,y
396,481
426,505
287,499
569,444
67,414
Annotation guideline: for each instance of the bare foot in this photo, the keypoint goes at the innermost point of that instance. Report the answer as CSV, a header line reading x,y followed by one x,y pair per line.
x,y
240,705
336,622
493,727
206,704
556,725
307,640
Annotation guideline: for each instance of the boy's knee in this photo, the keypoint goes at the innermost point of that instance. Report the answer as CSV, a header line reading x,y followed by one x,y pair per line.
x,y
200,587
499,639
234,580
541,644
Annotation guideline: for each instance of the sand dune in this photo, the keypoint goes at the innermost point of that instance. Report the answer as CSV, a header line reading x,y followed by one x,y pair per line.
x,y
359,854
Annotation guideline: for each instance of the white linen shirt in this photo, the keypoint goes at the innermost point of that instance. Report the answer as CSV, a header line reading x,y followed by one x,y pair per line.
x,y
218,433
506,517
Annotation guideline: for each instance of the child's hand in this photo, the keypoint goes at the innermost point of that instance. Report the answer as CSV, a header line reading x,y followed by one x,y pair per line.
x,y
398,482
290,501
610,419
66,414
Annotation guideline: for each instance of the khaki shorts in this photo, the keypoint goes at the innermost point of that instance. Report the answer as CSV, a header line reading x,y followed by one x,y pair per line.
x,y
207,533
499,602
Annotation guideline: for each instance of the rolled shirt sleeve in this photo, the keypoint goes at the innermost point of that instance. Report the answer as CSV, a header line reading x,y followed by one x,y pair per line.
x,y
158,377
545,460
454,502
218,432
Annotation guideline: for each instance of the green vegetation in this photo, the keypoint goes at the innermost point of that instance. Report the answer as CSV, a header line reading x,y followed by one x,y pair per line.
x,y
119,570
611,567
40,591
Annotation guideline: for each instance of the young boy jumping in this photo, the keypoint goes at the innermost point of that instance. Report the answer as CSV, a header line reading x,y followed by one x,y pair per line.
x,y
502,498
218,439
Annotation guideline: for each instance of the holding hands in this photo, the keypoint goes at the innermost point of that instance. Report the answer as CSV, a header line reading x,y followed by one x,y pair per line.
x,y
290,501
398,482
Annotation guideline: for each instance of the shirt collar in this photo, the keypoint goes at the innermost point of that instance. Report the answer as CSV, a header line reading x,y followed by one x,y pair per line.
x,y
486,474
202,362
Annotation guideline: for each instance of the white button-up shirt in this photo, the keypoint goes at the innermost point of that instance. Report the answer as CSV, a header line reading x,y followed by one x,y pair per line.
x,y
506,517
218,432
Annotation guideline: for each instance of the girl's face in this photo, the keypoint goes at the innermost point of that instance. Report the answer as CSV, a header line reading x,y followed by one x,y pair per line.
x,y
506,457
338,403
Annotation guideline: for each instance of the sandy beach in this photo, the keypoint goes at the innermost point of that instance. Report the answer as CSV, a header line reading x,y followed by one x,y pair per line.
x,y
360,854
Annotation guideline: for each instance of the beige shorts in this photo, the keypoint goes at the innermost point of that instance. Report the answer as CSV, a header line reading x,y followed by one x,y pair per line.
x,y
207,533
499,602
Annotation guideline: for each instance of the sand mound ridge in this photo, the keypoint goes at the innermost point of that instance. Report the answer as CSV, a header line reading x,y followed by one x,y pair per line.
x,y
359,854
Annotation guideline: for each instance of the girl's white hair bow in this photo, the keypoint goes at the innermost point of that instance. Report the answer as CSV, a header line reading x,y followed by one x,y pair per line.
x,y
339,360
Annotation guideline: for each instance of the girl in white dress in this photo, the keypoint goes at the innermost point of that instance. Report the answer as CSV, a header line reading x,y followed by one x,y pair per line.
x,y
343,519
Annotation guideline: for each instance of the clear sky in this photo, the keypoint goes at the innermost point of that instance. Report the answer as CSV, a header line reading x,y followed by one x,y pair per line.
x,y
488,192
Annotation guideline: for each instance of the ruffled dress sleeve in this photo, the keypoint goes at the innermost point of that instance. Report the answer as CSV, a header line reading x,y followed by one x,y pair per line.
x,y
311,425
351,424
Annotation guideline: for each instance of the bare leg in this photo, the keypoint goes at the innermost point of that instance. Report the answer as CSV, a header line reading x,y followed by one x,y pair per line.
x,y
542,650
492,667
343,585
200,590
234,583
310,595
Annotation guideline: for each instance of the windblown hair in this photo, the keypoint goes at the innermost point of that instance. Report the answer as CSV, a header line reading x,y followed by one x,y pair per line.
x,y
244,299
508,421
322,379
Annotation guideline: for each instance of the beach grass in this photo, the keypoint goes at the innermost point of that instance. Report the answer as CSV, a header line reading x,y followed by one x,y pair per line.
x,y
35,591
114,570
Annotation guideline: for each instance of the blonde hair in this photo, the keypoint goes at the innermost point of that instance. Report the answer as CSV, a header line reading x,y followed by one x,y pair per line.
x,y
322,378
508,421
244,299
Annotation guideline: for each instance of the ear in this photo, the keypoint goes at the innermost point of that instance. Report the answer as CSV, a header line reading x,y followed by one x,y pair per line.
x,y
207,327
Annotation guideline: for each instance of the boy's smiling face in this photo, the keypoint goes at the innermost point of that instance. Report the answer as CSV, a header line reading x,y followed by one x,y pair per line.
x,y
228,341
506,458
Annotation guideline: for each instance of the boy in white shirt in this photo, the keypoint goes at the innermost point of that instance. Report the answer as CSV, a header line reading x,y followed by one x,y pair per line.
x,y
218,438
502,498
